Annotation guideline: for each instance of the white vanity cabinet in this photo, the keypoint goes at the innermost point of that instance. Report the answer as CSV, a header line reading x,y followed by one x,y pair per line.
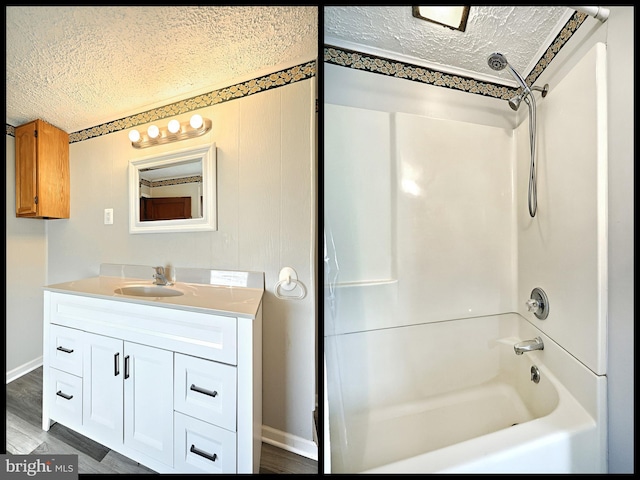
x,y
175,389
127,396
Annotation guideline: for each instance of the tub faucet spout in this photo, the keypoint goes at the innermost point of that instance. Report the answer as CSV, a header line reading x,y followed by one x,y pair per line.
x,y
528,346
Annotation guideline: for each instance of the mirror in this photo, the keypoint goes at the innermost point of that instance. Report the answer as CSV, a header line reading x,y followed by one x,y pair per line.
x,y
173,192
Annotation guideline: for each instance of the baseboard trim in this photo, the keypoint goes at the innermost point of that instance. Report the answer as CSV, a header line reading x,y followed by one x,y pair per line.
x,y
289,442
24,369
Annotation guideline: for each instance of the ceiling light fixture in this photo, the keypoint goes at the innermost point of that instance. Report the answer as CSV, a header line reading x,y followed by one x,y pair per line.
x,y
173,132
450,17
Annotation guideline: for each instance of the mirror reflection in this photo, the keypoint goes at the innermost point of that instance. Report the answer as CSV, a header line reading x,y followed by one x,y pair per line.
x,y
171,192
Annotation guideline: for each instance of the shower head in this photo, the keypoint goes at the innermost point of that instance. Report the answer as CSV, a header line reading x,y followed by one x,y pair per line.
x,y
498,61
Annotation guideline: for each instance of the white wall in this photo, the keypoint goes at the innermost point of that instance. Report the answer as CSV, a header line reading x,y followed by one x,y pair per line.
x,y
372,91
26,258
420,218
266,217
563,248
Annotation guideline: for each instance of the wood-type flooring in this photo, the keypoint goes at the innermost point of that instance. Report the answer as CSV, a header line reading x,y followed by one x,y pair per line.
x,y
25,436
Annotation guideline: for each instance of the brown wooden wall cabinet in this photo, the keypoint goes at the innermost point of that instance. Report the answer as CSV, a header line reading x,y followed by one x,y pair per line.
x,y
42,171
164,208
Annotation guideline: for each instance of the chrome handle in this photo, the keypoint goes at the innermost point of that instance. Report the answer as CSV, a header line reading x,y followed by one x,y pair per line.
x,y
211,393
213,457
116,364
533,305
538,304
126,367
65,350
64,395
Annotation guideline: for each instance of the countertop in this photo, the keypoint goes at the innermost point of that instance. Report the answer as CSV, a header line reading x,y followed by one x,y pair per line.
x,y
212,299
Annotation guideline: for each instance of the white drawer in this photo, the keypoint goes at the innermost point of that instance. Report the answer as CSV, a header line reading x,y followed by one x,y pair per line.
x,y
65,349
206,390
201,334
66,398
200,447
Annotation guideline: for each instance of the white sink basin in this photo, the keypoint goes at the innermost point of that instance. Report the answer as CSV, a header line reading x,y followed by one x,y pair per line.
x,y
148,291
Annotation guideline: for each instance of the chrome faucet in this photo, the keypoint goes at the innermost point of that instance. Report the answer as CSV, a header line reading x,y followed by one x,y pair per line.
x,y
160,278
528,346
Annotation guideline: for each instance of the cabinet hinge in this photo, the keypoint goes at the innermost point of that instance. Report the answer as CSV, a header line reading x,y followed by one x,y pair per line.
x,y
35,200
35,133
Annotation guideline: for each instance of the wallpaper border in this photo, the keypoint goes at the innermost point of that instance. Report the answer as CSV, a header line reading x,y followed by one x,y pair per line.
x,y
393,68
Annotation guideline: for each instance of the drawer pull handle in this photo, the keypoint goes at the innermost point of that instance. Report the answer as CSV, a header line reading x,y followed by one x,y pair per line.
x,y
65,350
116,364
64,395
213,457
202,390
126,367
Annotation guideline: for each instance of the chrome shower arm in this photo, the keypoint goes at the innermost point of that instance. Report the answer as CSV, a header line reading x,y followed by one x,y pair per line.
x,y
544,89
519,78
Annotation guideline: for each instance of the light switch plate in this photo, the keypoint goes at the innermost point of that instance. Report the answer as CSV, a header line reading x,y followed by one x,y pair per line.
x,y
108,216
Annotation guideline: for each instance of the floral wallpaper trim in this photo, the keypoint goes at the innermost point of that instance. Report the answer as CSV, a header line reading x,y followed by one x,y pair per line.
x,y
244,89
393,68
171,181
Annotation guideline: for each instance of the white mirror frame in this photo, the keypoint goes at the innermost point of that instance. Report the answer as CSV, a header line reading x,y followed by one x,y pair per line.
x,y
208,221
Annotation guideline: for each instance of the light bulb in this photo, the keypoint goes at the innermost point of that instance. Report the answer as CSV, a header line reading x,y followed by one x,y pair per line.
x,y
134,135
174,126
153,131
196,121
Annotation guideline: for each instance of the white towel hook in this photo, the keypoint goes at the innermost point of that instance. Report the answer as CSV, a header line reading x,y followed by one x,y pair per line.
x,y
288,281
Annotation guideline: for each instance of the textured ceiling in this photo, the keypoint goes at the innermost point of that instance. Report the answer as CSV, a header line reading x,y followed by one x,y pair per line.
x,y
522,34
79,67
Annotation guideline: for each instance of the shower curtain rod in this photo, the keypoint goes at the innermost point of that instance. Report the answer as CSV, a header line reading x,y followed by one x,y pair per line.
x,y
599,13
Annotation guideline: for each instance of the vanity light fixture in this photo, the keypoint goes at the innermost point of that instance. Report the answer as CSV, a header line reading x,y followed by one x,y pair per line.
x,y
174,126
173,132
454,18
153,131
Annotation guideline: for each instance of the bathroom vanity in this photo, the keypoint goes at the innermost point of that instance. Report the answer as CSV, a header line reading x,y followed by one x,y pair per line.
x,y
169,376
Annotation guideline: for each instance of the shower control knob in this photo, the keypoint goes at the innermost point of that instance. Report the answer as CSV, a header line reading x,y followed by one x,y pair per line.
x,y
532,305
538,304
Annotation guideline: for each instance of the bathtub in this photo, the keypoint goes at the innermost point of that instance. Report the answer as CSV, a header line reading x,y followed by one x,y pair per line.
x,y
453,397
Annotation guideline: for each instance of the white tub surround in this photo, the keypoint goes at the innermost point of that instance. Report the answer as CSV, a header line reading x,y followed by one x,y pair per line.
x,y
174,383
438,234
453,397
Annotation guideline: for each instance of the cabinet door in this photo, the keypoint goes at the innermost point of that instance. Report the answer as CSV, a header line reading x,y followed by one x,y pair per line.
x,y
26,169
165,208
148,400
53,171
42,171
102,409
